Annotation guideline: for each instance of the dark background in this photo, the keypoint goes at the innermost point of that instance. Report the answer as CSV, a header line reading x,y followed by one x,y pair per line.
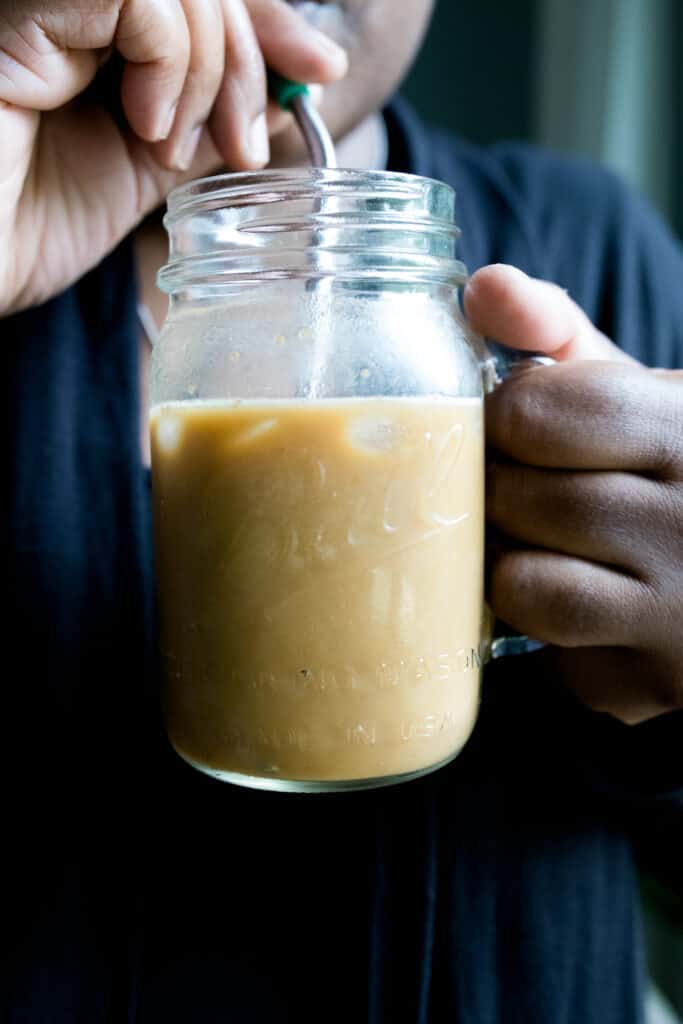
x,y
475,72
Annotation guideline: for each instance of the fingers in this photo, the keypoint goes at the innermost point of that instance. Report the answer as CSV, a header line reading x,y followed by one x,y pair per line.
x,y
49,55
238,122
618,519
503,303
188,62
229,44
259,33
293,47
154,38
590,415
206,65
151,181
567,601
218,78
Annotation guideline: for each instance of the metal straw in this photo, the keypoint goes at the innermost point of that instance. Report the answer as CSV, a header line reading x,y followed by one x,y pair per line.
x,y
295,97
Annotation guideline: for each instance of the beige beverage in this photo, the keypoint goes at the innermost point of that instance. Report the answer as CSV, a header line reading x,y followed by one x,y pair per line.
x,y
320,579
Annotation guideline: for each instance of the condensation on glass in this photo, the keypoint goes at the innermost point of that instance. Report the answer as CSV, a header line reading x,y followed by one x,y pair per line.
x,y
317,456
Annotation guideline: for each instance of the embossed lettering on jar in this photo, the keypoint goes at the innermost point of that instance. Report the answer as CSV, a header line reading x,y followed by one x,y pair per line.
x,y
317,454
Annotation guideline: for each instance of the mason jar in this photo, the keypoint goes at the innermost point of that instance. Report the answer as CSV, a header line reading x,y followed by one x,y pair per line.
x,y
318,480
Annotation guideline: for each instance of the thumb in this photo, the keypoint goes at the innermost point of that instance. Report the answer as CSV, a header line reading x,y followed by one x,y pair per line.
x,y
504,304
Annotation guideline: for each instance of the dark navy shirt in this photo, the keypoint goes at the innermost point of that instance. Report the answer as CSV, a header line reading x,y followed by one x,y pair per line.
x,y
137,891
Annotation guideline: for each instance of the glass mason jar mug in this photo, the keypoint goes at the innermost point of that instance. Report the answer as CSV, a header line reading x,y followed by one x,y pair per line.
x,y
318,480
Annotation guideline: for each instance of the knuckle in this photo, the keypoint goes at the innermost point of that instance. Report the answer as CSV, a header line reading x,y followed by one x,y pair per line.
x,y
177,34
242,94
170,68
207,61
202,84
253,81
660,525
590,505
246,67
511,493
667,433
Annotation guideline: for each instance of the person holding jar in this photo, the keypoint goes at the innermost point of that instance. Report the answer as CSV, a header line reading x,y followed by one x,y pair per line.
x,y
499,888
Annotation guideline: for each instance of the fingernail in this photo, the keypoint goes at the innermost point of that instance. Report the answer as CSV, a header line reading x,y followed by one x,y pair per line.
x,y
188,148
259,147
165,122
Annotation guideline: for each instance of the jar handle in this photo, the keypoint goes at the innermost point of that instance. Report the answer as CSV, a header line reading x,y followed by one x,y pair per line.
x,y
497,365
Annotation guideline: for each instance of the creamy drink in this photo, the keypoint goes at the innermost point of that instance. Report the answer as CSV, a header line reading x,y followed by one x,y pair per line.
x,y
320,578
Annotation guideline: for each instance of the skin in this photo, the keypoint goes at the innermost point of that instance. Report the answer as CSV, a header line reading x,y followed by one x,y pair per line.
x,y
585,485
365,28
73,182
586,479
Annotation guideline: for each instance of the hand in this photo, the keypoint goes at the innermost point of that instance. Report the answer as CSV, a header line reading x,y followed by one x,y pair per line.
x,y
586,488
72,182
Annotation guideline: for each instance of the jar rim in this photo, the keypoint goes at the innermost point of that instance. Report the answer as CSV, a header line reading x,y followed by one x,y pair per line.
x,y
230,188
231,230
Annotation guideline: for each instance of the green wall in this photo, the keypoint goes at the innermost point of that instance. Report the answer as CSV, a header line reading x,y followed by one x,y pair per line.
x,y
484,63
475,72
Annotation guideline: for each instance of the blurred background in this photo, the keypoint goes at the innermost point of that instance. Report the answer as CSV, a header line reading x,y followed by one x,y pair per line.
x,y
599,78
